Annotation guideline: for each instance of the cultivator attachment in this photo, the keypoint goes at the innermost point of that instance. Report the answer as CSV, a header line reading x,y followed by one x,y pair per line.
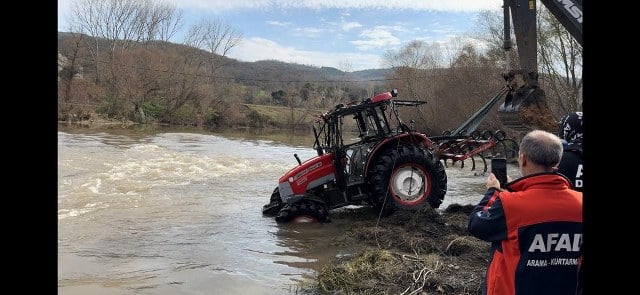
x,y
467,143
477,148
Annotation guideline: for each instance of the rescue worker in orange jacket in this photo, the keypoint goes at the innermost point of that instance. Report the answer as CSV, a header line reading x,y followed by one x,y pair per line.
x,y
534,225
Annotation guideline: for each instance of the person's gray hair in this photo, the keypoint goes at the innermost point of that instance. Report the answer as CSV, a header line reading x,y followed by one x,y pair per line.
x,y
542,148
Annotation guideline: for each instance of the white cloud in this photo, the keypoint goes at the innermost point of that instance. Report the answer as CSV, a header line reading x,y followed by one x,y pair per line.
x,y
308,31
278,23
254,49
440,5
443,31
220,6
481,45
375,38
397,28
441,28
350,25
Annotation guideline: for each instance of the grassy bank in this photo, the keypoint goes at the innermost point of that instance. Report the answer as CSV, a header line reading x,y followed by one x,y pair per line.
x,y
410,252
280,116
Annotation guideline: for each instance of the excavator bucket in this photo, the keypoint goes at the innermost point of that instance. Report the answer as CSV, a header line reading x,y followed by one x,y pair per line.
x,y
525,106
526,109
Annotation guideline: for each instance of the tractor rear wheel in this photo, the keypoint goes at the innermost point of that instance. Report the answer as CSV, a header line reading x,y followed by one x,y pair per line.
x,y
303,210
407,176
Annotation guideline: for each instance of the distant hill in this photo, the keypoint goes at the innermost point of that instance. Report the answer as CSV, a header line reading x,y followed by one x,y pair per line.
x,y
277,72
267,71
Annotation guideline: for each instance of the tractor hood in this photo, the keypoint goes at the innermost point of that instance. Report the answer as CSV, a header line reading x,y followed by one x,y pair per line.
x,y
309,174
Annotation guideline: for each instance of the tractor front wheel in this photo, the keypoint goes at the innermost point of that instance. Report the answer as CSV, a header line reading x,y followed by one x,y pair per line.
x,y
303,211
275,204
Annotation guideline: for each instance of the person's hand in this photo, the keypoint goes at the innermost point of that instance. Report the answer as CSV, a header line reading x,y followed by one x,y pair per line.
x,y
492,181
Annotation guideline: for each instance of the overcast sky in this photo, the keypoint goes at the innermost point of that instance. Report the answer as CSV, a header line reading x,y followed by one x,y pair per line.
x,y
331,33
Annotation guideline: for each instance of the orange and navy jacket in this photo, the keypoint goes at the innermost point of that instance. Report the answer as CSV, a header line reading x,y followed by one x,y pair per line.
x,y
535,230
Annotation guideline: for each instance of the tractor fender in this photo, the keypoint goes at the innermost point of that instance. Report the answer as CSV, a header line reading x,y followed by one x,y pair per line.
x,y
404,138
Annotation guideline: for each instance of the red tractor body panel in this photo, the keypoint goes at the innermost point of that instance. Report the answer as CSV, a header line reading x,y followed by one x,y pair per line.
x,y
309,174
381,97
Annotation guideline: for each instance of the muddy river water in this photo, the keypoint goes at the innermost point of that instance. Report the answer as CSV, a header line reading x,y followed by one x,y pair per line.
x,y
179,212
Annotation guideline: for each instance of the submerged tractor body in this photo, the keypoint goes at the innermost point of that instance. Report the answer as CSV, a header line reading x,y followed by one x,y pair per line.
x,y
366,155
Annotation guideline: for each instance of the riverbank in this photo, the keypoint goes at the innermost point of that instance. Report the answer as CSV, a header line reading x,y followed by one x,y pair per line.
x,y
243,116
410,252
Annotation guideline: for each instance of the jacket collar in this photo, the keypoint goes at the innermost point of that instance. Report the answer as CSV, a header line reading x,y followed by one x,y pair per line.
x,y
542,180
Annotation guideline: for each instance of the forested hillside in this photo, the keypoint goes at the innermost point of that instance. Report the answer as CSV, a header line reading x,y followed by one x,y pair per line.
x,y
178,84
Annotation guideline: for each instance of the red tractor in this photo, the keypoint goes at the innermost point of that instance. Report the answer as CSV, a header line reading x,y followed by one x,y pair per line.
x,y
374,159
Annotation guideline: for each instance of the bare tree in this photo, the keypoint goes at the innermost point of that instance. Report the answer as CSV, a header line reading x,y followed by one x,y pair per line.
x,y
86,19
69,71
157,21
217,38
72,88
416,65
116,22
183,82
490,29
170,21
125,22
117,27
346,66
455,78
451,49
475,78
560,58
293,100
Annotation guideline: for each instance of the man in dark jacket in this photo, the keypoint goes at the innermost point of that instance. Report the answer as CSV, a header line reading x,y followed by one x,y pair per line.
x,y
570,132
534,226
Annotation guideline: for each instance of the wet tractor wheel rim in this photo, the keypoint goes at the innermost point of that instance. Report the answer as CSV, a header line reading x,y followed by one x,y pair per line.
x,y
410,184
